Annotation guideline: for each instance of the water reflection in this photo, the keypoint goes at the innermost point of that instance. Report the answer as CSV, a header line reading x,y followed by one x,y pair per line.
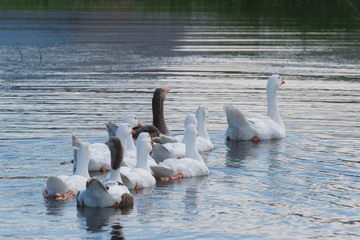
x,y
53,207
240,151
97,218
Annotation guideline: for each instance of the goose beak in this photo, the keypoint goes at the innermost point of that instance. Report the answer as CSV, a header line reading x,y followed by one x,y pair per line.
x,y
107,142
133,131
139,124
282,81
167,90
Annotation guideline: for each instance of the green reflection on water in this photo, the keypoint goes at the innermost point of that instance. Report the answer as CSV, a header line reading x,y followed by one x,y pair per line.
x,y
319,14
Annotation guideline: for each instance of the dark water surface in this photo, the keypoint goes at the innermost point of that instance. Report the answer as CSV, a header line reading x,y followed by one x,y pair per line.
x,y
69,70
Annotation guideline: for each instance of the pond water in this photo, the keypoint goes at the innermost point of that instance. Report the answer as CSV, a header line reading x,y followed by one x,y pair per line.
x,y
69,70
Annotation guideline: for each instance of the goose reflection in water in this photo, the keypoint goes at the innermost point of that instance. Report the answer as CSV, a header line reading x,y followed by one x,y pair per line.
x,y
97,218
54,207
238,152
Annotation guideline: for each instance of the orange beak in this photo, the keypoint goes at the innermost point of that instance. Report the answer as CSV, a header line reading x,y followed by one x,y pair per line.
x,y
167,90
139,124
133,131
282,81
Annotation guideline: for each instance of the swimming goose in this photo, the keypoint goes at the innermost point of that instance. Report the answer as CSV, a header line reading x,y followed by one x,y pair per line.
x,y
203,142
172,147
65,187
112,193
192,165
140,176
252,126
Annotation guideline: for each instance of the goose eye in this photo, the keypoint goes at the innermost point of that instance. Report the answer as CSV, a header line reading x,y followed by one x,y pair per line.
x,y
278,77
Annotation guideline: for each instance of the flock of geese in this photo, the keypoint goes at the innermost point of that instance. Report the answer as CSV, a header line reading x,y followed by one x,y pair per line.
x,y
138,156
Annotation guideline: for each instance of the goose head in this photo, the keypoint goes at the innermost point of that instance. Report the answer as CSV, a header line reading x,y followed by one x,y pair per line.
x,y
144,139
160,94
190,119
123,131
133,120
117,152
202,114
274,82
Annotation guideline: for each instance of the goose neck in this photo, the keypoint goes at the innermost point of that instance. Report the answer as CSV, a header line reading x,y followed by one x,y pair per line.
x,y
82,163
115,175
201,128
272,110
192,152
142,158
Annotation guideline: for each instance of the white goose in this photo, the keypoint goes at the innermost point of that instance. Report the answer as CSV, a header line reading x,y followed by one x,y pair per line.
x,y
65,187
200,120
172,147
255,127
140,176
134,122
112,193
192,165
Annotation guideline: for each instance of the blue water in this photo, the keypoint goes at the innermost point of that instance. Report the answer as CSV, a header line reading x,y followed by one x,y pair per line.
x,y
69,72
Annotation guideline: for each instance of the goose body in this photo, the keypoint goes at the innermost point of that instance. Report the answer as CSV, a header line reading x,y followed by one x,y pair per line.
x,y
140,176
112,193
252,126
172,147
192,165
63,187
99,158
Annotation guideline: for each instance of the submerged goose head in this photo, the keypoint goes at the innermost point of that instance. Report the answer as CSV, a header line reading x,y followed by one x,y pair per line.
x,y
117,152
